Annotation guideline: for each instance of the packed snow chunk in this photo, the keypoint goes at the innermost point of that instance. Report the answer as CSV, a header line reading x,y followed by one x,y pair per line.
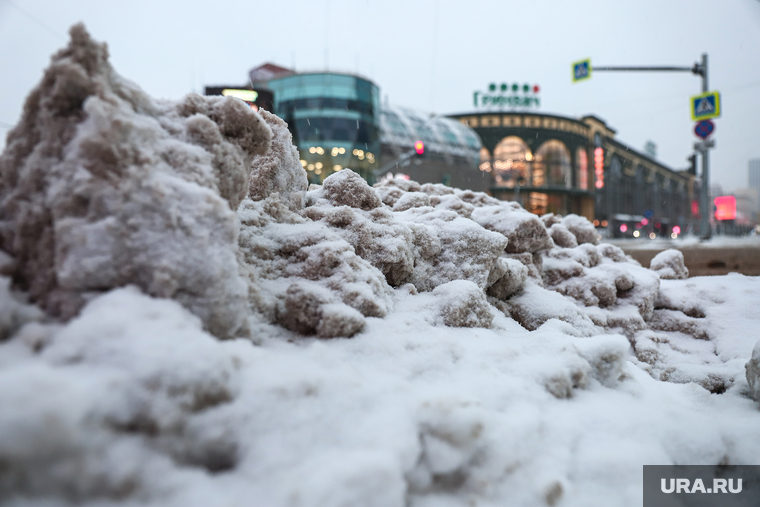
x,y
508,277
448,247
550,219
101,187
376,236
423,246
282,248
390,191
452,203
669,265
584,231
535,305
525,231
676,321
607,356
463,304
279,170
533,263
346,188
480,199
611,252
562,237
411,200
753,373
437,189
643,291
309,308
339,319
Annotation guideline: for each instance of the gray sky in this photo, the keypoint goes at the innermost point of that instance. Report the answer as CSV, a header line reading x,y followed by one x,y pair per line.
x,y
431,55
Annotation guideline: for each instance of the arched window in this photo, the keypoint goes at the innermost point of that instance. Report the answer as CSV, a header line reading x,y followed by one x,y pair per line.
x,y
552,165
510,162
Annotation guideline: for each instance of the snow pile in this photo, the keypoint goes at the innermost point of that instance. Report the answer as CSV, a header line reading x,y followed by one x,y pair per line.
x,y
279,169
669,265
402,345
309,279
101,186
421,245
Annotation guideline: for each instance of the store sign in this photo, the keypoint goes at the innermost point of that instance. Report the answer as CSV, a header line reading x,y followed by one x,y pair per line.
x,y
508,96
725,207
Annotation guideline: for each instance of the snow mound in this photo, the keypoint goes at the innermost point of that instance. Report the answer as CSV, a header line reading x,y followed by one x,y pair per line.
x,y
308,278
583,230
463,304
421,245
669,265
101,186
279,169
525,231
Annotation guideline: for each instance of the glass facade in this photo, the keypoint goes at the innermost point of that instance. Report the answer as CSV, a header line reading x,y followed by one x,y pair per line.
x,y
334,119
444,138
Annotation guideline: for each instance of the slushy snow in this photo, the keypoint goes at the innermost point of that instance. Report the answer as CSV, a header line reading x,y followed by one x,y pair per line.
x,y
183,322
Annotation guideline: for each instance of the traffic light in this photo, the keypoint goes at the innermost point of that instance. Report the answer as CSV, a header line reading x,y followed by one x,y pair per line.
x,y
692,164
419,148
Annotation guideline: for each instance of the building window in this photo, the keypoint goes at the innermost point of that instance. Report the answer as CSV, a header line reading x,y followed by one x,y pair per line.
x,y
537,203
581,164
485,160
552,165
511,159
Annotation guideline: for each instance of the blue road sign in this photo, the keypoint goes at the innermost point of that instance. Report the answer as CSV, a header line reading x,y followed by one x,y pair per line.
x,y
704,128
649,213
705,106
581,70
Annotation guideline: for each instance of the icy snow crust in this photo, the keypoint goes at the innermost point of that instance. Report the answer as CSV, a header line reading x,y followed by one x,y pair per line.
x,y
168,286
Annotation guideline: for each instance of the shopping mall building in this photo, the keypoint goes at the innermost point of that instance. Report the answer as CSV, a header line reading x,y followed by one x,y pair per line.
x,y
556,164
548,163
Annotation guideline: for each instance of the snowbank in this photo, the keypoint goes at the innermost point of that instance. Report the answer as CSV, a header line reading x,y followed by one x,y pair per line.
x,y
101,186
402,345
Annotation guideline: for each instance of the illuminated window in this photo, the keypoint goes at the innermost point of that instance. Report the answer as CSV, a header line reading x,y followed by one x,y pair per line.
x,y
485,160
537,203
581,162
552,165
511,160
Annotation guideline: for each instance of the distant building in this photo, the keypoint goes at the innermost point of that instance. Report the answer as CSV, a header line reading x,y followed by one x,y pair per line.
x,y
564,165
754,174
334,119
337,122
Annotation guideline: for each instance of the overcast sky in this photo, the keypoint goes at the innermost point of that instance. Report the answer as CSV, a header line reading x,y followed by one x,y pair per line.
x,y
431,55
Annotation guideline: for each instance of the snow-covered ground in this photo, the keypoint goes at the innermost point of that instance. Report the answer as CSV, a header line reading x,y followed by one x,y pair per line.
x,y
183,322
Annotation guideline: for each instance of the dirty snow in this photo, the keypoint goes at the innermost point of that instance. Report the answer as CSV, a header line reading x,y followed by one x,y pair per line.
x,y
183,322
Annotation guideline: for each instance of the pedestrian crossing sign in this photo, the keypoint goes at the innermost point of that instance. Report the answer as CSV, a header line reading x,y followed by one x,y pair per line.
x,y
705,106
581,70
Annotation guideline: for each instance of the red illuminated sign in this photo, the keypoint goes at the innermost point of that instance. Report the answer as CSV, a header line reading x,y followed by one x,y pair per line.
x,y
599,167
725,207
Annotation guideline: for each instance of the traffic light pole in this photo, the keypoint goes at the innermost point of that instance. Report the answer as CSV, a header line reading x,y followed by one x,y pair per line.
x,y
405,157
701,70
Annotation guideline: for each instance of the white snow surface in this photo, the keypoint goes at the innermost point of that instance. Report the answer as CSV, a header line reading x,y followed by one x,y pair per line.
x,y
404,345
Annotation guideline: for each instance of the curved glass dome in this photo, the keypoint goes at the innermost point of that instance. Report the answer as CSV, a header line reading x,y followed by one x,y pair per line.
x,y
401,127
